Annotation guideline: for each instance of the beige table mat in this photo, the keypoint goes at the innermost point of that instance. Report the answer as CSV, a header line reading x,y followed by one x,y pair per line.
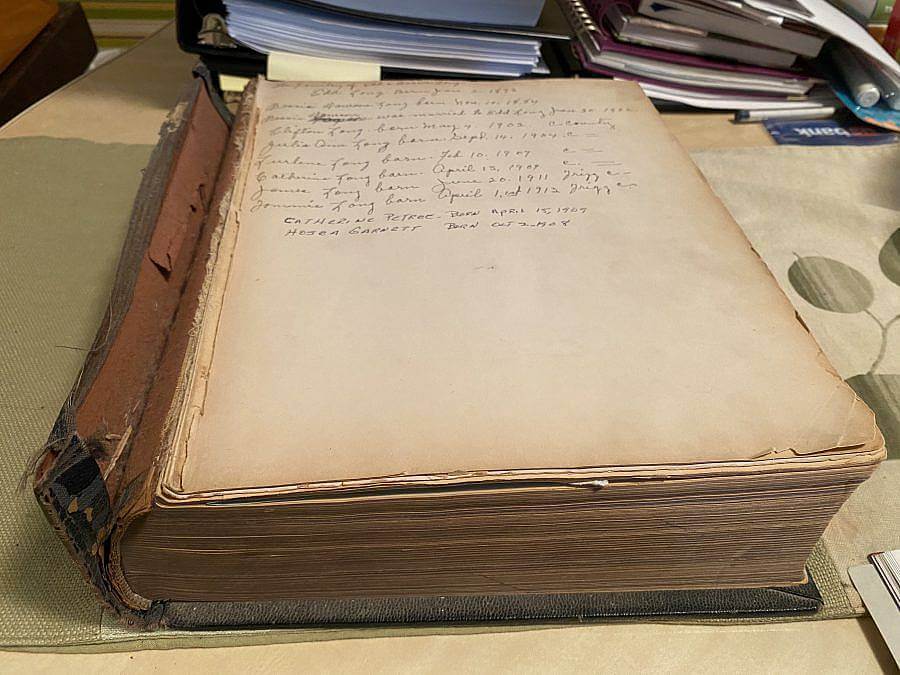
x,y
822,647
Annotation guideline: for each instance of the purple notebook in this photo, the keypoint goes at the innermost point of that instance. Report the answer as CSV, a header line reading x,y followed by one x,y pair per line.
x,y
724,93
595,30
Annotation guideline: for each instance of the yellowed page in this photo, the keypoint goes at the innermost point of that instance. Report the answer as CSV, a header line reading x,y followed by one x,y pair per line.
x,y
433,277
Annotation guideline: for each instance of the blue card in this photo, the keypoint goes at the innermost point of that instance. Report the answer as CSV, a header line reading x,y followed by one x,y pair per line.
x,y
828,132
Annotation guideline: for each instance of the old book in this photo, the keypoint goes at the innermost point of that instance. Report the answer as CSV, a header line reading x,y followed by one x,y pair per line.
x,y
448,350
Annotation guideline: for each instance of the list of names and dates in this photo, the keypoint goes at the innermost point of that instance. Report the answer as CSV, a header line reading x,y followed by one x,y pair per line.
x,y
379,160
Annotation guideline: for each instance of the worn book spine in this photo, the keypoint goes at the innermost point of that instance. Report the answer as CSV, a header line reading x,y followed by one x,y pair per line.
x,y
97,469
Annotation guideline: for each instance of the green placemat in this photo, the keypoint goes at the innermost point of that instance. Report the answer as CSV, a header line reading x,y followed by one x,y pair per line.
x,y
65,211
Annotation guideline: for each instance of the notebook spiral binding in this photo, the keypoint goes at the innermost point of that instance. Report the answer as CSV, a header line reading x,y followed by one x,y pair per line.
x,y
579,17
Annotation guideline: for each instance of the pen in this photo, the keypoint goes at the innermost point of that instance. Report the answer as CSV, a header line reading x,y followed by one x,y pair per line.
x,y
811,113
888,82
859,82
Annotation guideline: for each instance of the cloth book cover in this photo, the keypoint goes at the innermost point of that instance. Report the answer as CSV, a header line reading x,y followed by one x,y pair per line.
x,y
386,352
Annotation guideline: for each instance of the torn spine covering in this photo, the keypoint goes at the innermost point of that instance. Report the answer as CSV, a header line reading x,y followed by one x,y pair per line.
x,y
80,477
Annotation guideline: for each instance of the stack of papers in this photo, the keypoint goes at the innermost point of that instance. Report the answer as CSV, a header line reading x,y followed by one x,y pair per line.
x,y
493,13
280,26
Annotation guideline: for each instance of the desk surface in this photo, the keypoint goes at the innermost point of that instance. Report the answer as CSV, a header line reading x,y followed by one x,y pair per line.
x,y
125,101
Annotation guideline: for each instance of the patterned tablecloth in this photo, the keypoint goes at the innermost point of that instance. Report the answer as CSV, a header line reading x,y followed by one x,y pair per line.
x,y
827,223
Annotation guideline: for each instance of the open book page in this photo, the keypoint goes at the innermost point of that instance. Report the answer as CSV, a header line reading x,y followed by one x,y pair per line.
x,y
432,277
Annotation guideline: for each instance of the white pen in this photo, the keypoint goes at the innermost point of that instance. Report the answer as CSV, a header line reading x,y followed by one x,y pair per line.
x,y
859,82
811,113
888,82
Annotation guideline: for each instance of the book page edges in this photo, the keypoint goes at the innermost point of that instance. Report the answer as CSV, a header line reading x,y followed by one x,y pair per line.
x,y
190,394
